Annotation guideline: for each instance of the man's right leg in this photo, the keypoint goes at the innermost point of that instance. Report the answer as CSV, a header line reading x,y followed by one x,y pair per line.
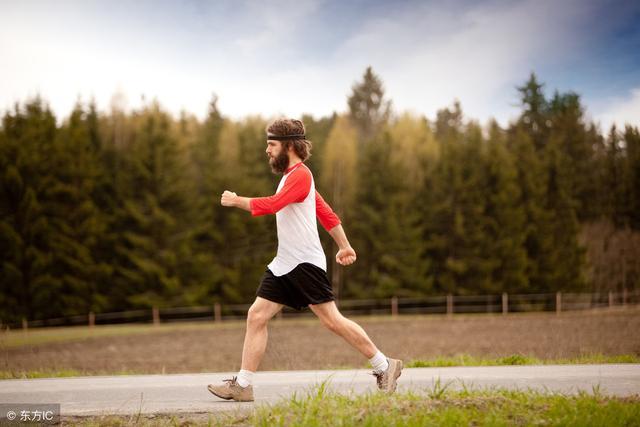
x,y
240,387
255,339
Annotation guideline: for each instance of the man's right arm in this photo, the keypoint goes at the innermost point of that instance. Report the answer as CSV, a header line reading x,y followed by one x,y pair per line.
x,y
295,190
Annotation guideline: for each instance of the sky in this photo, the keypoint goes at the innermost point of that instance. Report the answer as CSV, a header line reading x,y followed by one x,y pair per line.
x,y
292,57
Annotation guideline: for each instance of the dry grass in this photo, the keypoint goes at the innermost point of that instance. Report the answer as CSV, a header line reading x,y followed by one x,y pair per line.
x,y
304,344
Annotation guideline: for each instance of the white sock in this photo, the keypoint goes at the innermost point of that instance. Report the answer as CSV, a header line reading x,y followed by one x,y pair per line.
x,y
379,362
245,378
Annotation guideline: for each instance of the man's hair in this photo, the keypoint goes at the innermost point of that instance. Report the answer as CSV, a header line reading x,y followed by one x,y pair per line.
x,y
284,127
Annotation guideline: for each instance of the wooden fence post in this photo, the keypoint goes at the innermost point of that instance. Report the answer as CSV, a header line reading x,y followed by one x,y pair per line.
x,y
156,316
558,302
624,297
25,324
394,306
92,319
610,299
449,305
505,303
217,312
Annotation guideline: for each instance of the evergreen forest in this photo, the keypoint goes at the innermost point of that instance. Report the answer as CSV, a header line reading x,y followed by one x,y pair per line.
x,y
111,210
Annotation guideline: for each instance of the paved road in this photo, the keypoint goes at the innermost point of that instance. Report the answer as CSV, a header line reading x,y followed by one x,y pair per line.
x,y
188,393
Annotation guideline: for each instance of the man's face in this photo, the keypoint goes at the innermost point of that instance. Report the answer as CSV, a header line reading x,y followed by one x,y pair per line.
x,y
278,156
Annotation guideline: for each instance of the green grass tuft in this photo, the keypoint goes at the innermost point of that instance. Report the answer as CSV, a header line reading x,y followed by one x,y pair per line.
x,y
518,359
441,406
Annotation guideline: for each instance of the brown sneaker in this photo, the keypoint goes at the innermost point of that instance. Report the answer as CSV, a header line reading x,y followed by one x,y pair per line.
x,y
230,389
388,380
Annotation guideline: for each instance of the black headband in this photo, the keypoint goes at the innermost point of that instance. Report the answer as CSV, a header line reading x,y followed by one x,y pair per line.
x,y
285,137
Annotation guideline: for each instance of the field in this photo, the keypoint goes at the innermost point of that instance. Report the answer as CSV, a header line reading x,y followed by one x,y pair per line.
x,y
304,344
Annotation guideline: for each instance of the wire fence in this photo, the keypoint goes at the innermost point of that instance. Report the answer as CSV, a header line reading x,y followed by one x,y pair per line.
x,y
445,304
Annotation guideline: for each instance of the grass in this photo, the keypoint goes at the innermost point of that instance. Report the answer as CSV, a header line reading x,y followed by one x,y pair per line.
x,y
519,359
459,360
437,406
443,407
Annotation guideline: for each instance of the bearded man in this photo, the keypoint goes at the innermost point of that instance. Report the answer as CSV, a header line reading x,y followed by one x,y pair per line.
x,y
297,276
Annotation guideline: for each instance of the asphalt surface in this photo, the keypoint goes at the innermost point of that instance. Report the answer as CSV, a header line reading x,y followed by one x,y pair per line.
x,y
159,394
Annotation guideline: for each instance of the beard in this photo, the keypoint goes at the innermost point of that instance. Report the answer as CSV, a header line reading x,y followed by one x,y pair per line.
x,y
280,163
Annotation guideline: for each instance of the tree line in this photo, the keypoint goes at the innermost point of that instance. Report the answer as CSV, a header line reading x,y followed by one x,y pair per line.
x,y
115,210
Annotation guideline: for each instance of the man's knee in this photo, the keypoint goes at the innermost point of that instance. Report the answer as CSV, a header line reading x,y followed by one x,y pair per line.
x,y
257,317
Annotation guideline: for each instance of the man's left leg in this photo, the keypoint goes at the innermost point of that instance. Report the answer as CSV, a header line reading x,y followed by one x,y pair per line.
x,y
386,370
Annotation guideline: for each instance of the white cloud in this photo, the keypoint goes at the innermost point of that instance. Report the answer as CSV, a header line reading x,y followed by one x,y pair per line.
x,y
276,22
427,55
620,111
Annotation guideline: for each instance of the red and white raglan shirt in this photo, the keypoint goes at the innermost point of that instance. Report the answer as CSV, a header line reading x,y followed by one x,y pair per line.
x,y
296,205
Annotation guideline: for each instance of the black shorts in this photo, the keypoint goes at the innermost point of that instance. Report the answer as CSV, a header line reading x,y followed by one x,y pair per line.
x,y
306,284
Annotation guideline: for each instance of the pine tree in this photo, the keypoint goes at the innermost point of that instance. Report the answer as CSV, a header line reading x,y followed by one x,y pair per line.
x,y
535,115
318,131
384,230
566,255
200,266
338,183
576,150
27,287
437,202
453,207
471,265
532,181
152,231
506,232
415,150
78,228
631,139
616,179
368,107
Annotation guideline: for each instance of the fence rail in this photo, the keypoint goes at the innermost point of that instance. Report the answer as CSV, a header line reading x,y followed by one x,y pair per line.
x,y
443,304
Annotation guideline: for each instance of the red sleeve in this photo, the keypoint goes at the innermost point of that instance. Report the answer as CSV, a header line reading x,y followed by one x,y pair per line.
x,y
325,214
296,188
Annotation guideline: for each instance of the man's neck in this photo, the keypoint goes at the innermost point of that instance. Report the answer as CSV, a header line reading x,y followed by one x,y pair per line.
x,y
292,165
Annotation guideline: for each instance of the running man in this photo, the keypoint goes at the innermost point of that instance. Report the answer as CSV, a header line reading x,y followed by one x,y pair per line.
x,y
297,275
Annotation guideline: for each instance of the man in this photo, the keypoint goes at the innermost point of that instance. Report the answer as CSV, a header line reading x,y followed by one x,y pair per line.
x,y
297,275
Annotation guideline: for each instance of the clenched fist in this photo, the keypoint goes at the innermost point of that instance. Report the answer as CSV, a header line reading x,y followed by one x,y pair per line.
x,y
346,256
228,198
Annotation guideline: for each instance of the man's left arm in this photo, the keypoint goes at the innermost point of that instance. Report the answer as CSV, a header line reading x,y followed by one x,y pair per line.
x,y
346,254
